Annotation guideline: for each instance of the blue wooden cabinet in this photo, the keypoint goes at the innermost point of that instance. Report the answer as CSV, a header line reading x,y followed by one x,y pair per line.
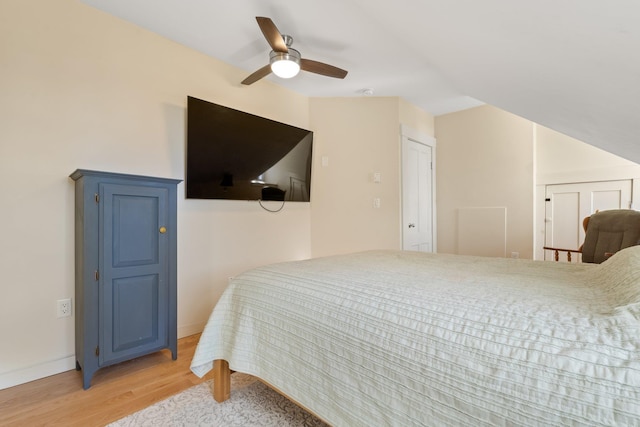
x,y
126,243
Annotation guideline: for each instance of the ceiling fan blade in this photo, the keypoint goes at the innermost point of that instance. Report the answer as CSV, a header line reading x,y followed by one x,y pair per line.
x,y
322,68
257,75
271,33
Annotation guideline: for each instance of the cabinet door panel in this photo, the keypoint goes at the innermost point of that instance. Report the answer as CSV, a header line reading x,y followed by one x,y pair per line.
x,y
135,300
135,230
134,271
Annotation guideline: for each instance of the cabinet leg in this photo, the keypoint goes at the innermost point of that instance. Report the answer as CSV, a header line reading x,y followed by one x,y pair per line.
x,y
86,380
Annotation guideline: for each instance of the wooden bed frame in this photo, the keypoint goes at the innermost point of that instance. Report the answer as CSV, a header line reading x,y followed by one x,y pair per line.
x,y
221,380
222,386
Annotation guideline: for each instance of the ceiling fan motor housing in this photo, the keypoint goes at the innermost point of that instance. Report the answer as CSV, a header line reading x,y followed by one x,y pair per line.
x,y
292,55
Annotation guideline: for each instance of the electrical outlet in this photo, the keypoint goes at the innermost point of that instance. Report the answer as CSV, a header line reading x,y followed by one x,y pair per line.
x,y
64,307
515,255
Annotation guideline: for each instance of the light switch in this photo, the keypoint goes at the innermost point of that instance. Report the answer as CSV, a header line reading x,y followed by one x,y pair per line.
x,y
376,177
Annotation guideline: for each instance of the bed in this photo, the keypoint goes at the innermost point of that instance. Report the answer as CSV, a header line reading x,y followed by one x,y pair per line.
x,y
398,338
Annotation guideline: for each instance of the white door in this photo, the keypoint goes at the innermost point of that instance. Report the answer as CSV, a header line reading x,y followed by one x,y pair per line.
x,y
568,204
417,196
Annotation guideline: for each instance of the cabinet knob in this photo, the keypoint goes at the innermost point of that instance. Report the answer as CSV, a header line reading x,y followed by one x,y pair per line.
x,y
163,230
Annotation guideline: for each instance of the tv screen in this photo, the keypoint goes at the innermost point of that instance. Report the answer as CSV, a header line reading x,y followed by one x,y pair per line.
x,y
240,156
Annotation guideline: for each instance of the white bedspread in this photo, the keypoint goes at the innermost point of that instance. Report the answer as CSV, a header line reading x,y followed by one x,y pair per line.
x,y
390,338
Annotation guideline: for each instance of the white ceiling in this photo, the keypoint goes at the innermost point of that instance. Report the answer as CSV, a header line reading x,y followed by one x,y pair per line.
x,y
571,65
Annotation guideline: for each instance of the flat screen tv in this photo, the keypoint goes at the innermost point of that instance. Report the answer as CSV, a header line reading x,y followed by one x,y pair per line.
x,y
240,156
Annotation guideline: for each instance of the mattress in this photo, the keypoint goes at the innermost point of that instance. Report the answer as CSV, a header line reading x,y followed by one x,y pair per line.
x,y
386,338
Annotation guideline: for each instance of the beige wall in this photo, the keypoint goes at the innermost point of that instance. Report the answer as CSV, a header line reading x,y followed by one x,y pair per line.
x,y
358,137
418,120
561,159
485,160
82,89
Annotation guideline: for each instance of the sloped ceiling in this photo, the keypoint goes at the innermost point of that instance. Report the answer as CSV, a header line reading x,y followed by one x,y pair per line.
x,y
570,65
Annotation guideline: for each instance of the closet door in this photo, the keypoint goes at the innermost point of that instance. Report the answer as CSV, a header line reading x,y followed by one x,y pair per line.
x,y
134,271
568,204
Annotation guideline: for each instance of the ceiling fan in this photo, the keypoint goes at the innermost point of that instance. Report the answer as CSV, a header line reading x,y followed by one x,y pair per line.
x,y
284,61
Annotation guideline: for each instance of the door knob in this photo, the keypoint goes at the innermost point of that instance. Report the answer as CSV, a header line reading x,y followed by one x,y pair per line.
x,y
412,225
163,230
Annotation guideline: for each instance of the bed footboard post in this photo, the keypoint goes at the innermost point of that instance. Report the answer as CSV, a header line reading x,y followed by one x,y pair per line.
x,y
221,380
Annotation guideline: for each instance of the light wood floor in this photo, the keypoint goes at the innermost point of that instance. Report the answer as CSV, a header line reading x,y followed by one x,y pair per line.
x,y
115,391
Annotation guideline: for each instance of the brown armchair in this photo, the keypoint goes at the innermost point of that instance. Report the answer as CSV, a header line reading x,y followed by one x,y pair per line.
x,y
606,232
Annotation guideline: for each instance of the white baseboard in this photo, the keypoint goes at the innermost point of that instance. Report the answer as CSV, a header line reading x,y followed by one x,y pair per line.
x,y
194,328
53,367
36,372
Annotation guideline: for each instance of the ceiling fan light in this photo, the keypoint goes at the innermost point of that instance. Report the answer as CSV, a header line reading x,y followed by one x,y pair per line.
x,y
285,68
285,65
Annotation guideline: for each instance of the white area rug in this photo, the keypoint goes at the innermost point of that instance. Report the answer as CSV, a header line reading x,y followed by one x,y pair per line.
x,y
251,404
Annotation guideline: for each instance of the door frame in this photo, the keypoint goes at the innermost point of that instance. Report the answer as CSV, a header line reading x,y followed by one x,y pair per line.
x,y
408,133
